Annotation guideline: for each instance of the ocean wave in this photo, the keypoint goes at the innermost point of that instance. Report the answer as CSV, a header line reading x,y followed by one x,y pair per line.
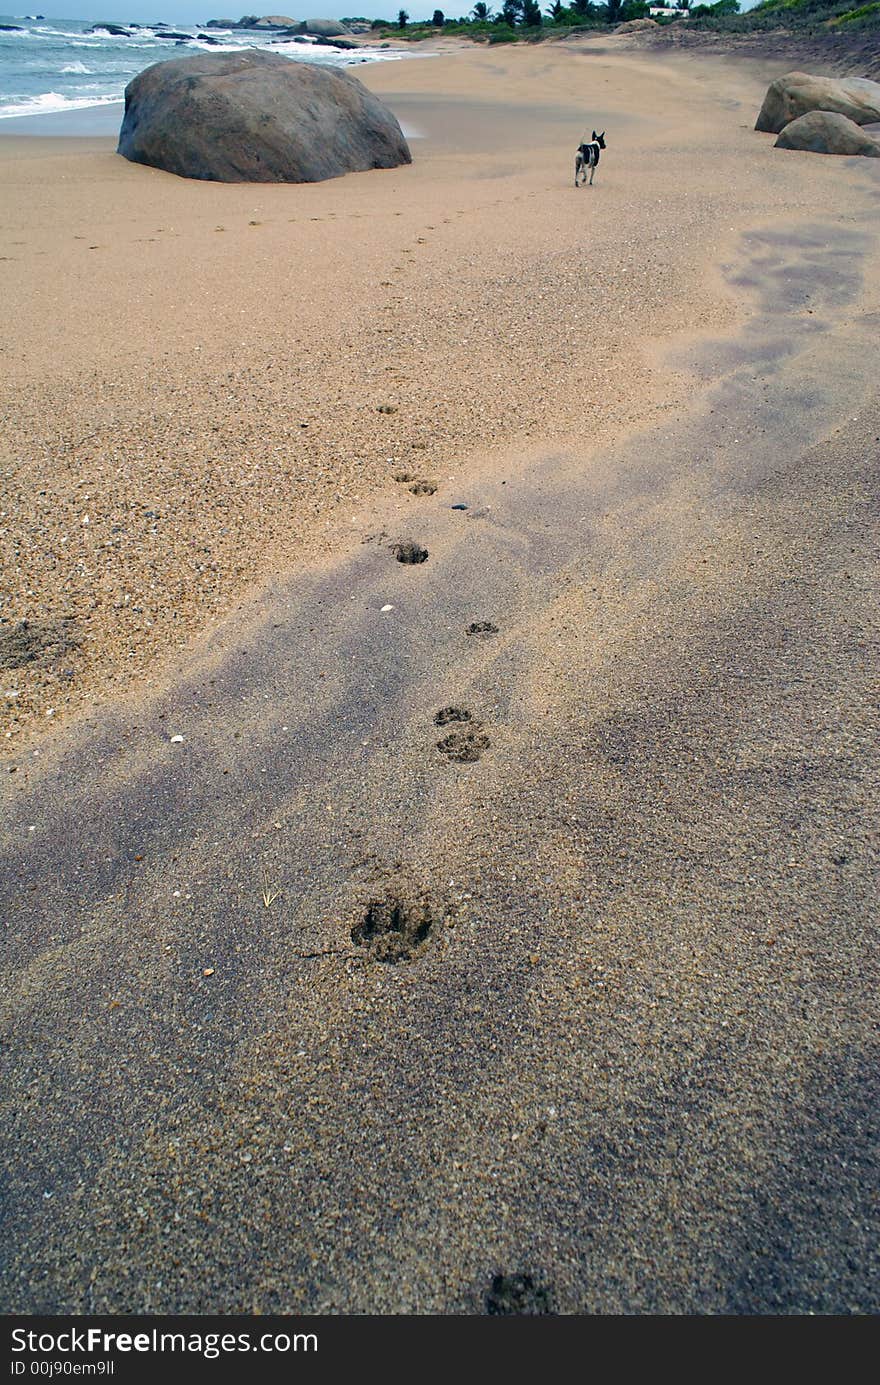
x,y
49,102
55,33
232,47
76,67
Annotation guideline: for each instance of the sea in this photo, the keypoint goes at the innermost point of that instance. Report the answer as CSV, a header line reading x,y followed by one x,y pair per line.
x,y
49,67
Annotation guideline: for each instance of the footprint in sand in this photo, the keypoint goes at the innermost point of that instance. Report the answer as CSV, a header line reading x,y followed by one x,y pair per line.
x,y
467,741
418,485
518,1295
409,552
396,927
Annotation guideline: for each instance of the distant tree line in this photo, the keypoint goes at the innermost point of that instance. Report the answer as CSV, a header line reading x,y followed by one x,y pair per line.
x,y
518,15
517,19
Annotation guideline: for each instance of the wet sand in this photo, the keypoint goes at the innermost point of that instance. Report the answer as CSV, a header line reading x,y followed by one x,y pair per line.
x,y
627,1047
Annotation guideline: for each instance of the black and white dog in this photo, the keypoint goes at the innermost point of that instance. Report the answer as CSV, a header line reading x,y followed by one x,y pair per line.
x,y
587,157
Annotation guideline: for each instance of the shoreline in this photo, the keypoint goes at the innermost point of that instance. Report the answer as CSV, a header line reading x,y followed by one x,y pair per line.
x,y
89,122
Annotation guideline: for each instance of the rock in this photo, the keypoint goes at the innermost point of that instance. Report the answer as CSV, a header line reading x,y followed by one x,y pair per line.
x,y
221,24
172,33
323,28
11,29
255,117
799,92
274,21
335,42
826,132
114,30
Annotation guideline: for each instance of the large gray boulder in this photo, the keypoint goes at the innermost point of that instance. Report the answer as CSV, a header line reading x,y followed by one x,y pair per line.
x,y
826,132
325,28
799,92
319,28
254,117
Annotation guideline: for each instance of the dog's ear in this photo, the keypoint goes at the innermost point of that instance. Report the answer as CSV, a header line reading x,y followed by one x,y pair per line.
x,y
594,134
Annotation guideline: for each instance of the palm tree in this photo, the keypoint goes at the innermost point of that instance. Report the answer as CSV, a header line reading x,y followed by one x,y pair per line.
x,y
481,12
402,19
556,10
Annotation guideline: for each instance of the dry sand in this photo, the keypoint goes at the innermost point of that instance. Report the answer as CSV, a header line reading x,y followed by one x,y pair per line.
x,y
631,1054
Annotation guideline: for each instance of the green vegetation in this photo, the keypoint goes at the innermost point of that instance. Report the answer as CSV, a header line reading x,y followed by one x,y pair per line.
x,y
516,20
525,20
797,16
869,12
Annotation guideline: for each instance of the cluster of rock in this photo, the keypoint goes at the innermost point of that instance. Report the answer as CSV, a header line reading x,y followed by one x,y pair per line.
x,y
318,28
132,30
823,115
256,117
281,25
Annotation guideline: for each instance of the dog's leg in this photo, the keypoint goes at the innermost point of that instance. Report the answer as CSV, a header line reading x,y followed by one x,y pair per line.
x,y
592,171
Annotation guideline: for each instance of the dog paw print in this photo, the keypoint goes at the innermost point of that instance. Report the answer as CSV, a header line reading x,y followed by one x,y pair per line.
x,y
465,743
408,551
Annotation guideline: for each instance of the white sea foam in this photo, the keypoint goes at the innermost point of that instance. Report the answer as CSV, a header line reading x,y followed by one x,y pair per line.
x,y
51,101
76,67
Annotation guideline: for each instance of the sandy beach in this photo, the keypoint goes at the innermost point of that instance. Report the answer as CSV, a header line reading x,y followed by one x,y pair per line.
x,y
193,373
608,750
